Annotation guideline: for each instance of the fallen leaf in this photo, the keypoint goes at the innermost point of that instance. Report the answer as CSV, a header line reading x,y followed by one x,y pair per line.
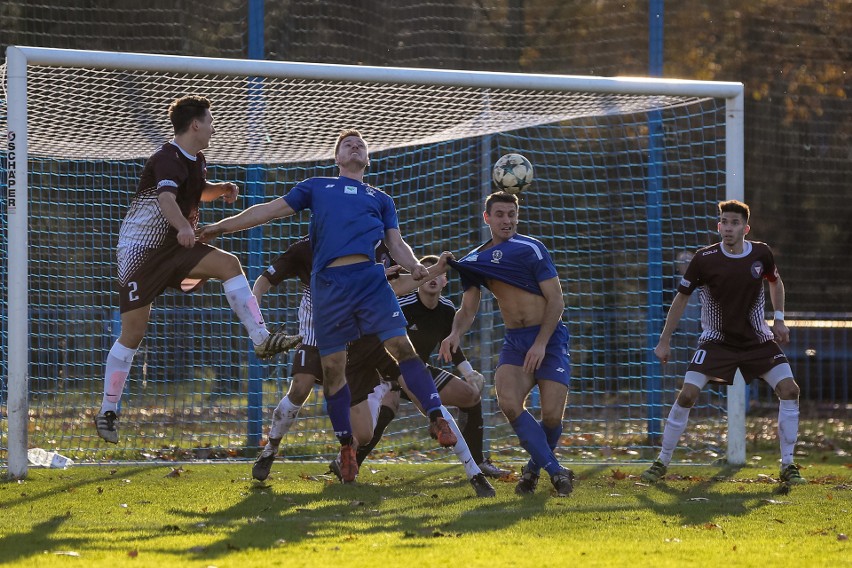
x,y
618,474
133,553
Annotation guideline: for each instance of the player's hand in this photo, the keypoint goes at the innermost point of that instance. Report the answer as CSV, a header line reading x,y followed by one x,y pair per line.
x,y
207,233
445,256
391,271
663,351
448,346
419,272
534,357
186,237
780,331
476,380
231,192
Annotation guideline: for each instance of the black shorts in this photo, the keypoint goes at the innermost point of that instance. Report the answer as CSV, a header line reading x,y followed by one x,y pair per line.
x,y
367,363
306,360
720,362
439,376
154,270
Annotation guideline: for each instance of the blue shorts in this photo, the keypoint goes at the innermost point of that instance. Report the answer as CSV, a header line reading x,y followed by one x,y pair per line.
x,y
353,300
556,365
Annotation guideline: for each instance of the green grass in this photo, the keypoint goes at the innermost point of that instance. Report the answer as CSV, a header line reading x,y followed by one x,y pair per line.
x,y
423,515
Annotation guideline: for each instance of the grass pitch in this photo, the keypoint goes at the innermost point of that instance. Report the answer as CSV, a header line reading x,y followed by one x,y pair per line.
x,y
423,515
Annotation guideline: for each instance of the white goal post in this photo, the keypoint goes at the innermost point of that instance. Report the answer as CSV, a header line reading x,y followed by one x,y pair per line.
x,y
468,106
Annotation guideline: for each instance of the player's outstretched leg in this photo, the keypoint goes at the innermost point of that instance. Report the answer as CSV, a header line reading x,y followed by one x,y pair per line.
x,y
105,424
277,342
263,464
656,472
479,482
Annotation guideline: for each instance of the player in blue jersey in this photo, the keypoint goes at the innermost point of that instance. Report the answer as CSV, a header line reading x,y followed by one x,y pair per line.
x,y
520,273
729,278
351,295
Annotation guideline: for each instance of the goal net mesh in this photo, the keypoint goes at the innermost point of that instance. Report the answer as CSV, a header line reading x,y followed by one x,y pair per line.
x,y
606,165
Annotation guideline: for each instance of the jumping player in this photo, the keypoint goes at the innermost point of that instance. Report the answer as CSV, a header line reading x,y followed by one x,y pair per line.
x,y
157,249
350,293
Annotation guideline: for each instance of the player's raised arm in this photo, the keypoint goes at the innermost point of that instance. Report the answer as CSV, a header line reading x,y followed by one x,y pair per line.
x,y
402,253
251,217
227,190
406,283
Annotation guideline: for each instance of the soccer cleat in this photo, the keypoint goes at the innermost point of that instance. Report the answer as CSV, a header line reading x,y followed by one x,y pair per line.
x,y
563,482
656,472
263,464
348,463
277,342
491,470
791,476
528,482
482,487
440,430
334,467
105,424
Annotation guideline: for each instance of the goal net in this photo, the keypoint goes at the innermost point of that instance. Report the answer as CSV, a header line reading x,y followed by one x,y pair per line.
x,y
627,176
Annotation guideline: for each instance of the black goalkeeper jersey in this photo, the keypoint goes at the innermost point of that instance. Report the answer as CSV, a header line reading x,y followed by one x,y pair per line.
x,y
427,327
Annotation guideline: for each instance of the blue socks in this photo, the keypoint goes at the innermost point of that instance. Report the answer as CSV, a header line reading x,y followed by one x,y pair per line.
x,y
552,435
535,442
419,381
337,406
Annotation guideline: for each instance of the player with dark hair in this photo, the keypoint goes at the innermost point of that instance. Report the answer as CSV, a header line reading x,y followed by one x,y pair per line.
x,y
370,371
520,273
729,277
157,249
430,319
350,293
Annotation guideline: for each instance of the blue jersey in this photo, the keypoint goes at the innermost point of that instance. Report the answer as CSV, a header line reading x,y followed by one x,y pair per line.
x,y
347,217
521,262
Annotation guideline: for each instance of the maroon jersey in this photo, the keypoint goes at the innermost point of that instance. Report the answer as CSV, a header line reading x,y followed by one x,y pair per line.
x,y
144,228
730,288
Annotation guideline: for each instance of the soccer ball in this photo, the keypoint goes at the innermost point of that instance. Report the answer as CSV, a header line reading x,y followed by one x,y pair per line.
x,y
512,173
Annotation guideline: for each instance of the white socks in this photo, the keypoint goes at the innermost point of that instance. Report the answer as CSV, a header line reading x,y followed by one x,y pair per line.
x,y
788,429
118,364
461,450
282,418
244,305
675,425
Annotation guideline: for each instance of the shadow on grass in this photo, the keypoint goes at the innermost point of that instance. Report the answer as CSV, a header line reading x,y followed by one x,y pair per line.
x,y
703,503
41,537
325,511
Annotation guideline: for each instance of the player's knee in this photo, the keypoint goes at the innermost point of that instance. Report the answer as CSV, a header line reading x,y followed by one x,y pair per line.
x,y
510,411
300,388
787,389
400,348
687,398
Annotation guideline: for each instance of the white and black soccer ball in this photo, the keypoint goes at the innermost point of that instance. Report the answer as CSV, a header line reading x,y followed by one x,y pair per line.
x,y
512,173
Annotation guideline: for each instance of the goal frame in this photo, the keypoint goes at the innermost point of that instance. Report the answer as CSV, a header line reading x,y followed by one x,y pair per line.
x,y
19,58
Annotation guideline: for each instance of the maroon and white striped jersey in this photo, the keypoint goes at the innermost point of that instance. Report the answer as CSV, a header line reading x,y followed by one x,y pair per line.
x,y
731,291
144,228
